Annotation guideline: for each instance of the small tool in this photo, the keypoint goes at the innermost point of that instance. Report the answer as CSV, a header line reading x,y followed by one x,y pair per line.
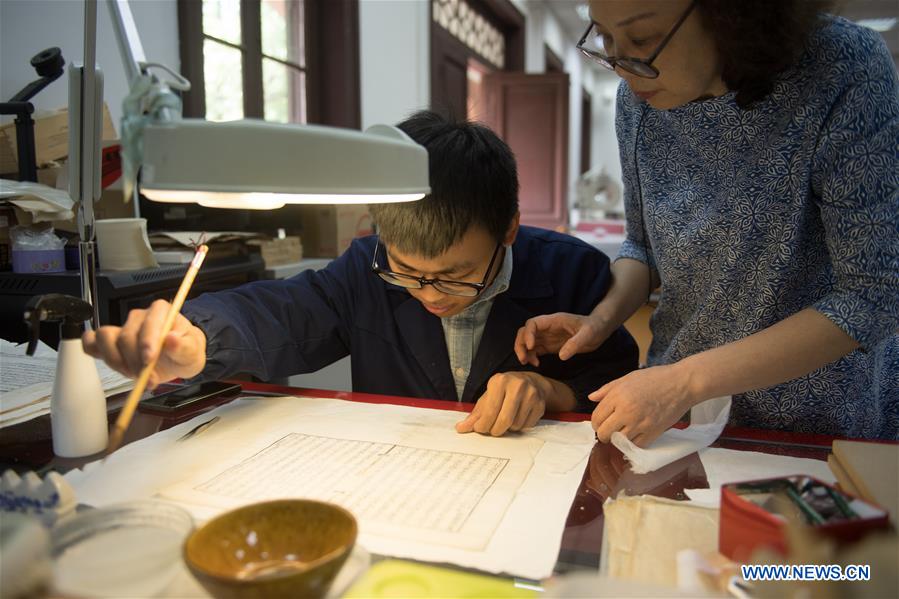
x,y
198,429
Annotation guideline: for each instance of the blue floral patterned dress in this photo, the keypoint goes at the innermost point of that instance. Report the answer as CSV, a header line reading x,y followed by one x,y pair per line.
x,y
750,216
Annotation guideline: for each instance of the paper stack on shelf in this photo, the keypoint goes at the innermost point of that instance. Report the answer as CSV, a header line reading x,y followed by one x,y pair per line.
x,y
171,247
26,382
42,202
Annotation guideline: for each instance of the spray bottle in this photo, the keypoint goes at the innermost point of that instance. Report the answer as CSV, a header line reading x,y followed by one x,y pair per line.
x,y
78,404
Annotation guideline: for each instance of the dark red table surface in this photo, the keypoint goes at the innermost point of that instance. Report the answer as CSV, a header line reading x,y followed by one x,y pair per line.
x,y
28,446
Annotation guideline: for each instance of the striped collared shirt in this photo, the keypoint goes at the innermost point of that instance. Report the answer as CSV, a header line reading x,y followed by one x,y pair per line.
x,y
464,330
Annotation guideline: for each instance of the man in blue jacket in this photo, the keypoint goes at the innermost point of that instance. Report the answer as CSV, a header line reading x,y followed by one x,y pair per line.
x,y
429,308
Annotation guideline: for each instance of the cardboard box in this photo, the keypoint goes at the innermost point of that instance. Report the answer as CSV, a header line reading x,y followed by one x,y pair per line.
x,y
276,252
51,139
56,173
56,177
329,230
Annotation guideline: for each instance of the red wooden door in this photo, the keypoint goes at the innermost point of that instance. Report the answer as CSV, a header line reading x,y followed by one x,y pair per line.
x,y
530,112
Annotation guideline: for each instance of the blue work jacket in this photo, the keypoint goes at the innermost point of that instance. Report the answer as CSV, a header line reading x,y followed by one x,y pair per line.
x,y
274,329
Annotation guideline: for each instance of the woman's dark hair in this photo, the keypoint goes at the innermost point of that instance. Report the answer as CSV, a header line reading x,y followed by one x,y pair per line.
x,y
473,179
759,39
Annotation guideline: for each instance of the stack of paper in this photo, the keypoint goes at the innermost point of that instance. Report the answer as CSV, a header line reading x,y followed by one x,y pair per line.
x,y
178,246
42,202
26,382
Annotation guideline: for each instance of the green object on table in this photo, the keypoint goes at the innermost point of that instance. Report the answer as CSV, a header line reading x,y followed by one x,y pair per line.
x,y
841,503
807,510
397,578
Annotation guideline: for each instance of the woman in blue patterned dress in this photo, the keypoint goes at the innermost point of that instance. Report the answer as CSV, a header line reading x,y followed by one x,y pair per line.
x,y
760,155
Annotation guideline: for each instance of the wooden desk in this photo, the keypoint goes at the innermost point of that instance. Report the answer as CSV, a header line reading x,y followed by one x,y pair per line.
x,y
27,446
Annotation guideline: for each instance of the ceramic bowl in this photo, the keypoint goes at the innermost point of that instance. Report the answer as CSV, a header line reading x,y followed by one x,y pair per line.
x,y
284,548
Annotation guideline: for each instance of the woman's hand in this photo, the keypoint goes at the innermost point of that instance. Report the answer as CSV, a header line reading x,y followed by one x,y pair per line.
x,y
567,334
642,404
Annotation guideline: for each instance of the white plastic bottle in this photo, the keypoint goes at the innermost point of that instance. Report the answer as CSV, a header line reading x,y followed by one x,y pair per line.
x,y
78,405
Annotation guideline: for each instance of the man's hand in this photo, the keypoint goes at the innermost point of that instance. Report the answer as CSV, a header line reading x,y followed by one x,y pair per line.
x,y
642,404
515,401
567,334
128,348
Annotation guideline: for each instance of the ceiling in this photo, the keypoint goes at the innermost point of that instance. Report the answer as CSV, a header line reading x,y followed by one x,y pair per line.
x,y
567,13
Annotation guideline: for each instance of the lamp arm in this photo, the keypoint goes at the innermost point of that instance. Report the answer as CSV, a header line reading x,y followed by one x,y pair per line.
x,y
130,46
132,50
85,118
85,125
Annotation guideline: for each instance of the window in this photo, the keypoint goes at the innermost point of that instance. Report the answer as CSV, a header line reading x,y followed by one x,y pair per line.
x,y
253,58
289,61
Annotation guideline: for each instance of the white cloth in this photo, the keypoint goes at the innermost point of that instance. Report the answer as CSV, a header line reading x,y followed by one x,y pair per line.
x,y
707,420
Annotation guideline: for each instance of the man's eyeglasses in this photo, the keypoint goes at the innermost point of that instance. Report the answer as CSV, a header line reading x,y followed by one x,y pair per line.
x,y
461,288
641,67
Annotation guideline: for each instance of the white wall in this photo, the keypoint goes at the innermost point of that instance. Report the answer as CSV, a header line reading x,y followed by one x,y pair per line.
x,y
544,28
601,85
29,26
395,59
604,145
555,36
577,72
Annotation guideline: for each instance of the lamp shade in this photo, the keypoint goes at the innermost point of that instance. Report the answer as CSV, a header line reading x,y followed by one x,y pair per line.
x,y
263,165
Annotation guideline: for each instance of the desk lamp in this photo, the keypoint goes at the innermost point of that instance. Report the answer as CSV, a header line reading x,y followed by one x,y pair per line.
x,y
247,164
241,164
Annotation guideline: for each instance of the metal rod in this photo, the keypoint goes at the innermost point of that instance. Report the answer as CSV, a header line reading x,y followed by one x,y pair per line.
x,y
89,151
88,268
85,116
128,38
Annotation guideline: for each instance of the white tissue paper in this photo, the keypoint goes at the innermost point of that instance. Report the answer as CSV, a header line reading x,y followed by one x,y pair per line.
x,y
707,420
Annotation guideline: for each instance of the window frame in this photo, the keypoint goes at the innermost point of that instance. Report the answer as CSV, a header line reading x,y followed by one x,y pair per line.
x,y
331,33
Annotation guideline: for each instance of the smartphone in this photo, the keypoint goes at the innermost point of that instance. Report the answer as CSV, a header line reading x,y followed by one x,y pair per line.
x,y
182,396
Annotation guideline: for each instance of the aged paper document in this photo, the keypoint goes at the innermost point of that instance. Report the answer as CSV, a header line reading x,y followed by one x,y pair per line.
x,y
417,488
395,490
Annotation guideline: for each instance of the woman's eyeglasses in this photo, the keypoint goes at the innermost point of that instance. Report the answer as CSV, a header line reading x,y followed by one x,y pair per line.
x,y
641,67
460,288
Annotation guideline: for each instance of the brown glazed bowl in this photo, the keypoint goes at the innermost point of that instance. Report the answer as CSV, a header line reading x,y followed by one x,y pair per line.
x,y
284,548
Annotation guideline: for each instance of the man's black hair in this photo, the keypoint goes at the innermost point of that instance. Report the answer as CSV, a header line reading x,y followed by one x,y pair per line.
x,y
474,182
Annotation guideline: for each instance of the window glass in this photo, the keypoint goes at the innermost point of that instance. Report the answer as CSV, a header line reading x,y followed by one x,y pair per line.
x,y
223,81
282,31
221,19
284,89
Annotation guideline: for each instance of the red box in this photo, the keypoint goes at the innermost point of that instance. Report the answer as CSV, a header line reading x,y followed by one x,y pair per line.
x,y
745,526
